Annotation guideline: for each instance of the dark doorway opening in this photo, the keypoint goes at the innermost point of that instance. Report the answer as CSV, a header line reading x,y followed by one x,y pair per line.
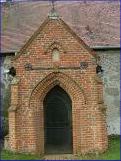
x,y
58,121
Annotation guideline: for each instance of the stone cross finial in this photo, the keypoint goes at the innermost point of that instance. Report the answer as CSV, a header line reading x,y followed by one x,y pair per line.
x,y
53,5
53,14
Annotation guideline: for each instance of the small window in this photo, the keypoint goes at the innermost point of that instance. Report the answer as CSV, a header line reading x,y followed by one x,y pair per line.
x,y
55,55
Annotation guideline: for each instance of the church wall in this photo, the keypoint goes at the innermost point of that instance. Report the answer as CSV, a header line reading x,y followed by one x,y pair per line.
x,y
110,61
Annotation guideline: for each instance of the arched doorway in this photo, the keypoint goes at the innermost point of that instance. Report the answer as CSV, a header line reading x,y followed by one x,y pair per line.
x,y
58,121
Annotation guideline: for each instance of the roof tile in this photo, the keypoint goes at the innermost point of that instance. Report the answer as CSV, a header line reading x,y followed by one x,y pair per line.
x,y
97,23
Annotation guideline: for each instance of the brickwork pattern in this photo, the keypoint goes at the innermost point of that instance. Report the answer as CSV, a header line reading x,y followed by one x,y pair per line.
x,y
26,119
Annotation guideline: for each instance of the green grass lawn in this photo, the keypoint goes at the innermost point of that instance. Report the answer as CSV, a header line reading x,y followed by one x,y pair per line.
x,y
6,155
113,153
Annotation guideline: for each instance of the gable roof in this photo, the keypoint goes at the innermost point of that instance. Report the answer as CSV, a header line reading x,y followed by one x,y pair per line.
x,y
97,23
35,34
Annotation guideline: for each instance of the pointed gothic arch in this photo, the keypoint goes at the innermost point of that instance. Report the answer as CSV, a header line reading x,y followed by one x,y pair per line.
x,y
36,105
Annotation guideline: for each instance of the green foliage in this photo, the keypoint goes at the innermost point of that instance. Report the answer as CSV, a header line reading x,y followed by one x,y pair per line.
x,y
8,3
6,101
6,105
5,126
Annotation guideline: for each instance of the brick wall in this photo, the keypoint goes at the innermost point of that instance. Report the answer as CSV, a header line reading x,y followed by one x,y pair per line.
x,y
29,88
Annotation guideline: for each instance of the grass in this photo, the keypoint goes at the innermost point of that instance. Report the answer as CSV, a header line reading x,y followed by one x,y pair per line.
x,y
7,155
113,153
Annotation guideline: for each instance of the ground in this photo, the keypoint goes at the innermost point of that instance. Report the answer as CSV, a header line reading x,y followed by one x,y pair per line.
x,y
113,153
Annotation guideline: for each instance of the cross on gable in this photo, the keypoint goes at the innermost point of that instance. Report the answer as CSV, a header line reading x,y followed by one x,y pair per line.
x,y
53,5
53,14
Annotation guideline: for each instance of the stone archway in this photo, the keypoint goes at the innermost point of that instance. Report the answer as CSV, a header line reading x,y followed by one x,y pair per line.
x,y
37,108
